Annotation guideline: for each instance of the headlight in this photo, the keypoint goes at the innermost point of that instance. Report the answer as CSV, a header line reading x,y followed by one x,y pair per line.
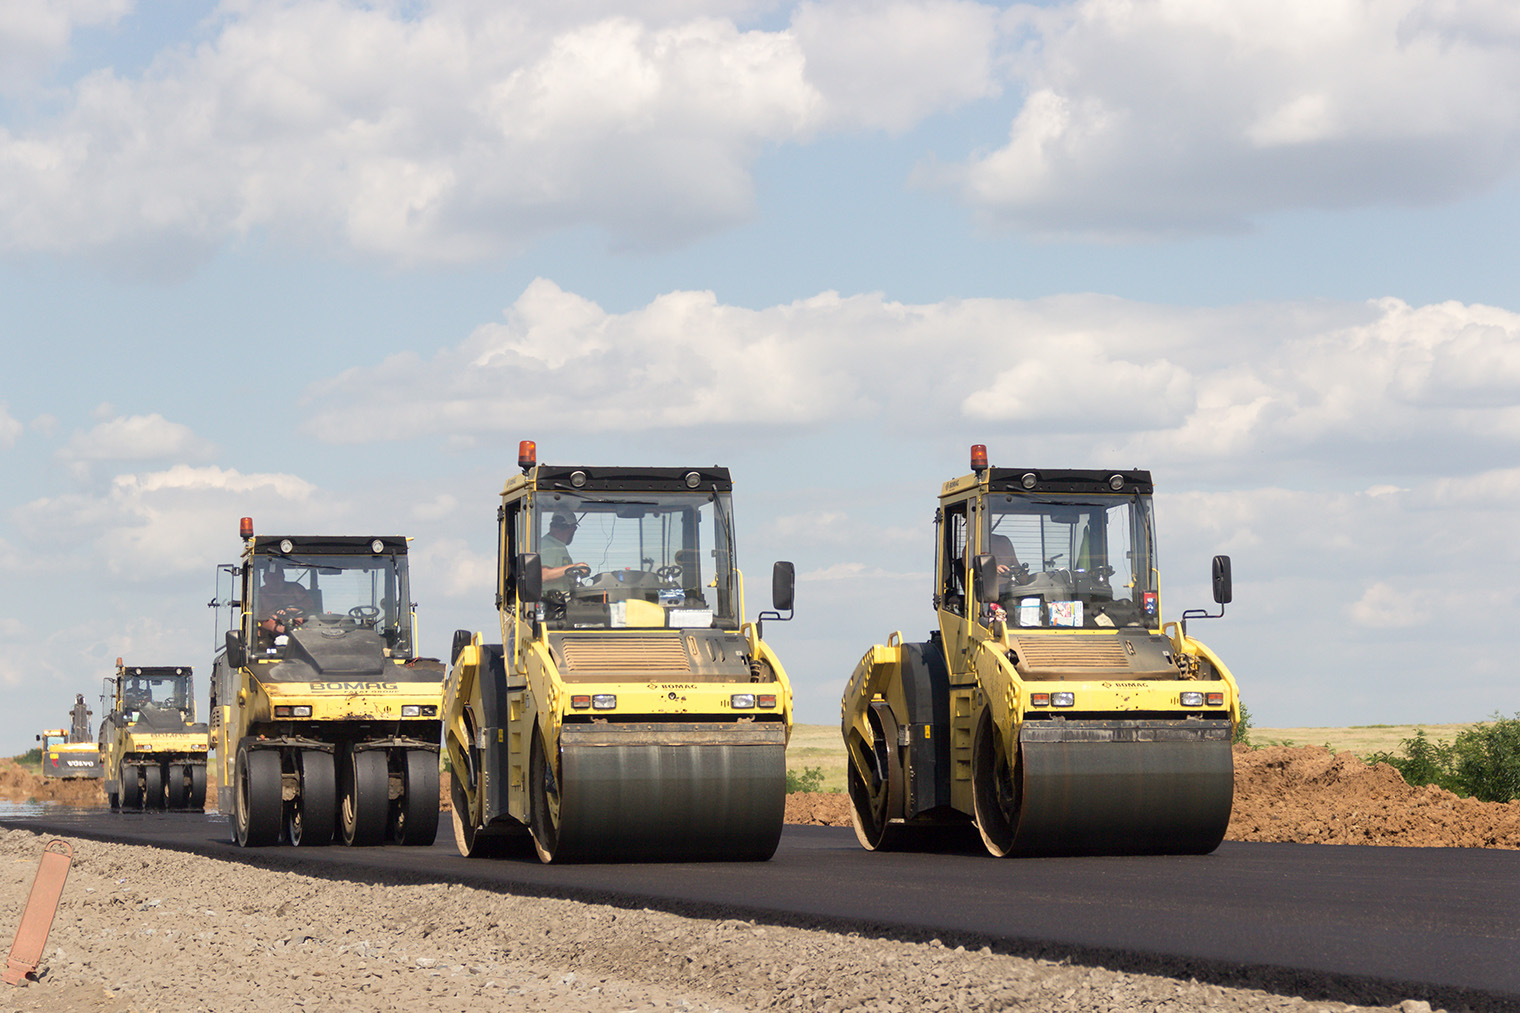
x,y
742,701
1063,699
418,710
604,701
1191,699
300,711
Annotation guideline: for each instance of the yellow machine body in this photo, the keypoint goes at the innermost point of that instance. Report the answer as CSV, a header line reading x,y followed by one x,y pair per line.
x,y
326,721
153,750
633,715
1051,709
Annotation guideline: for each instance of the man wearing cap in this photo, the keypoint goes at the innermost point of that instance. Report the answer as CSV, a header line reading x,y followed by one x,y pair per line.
x,y
554,552
283,603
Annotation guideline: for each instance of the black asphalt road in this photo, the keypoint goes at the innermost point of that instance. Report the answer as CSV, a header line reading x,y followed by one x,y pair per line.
x,y
1357,924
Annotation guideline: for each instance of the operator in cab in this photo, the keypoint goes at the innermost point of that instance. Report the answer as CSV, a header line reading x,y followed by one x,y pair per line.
x,y
560,570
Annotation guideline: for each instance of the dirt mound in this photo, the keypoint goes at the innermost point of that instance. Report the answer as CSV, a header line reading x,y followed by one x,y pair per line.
x,y
17,784
1309,795
819,809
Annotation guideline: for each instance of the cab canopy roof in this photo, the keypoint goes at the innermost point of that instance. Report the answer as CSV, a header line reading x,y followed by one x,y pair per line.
x,y
155,671
1069,480
588,479
329,545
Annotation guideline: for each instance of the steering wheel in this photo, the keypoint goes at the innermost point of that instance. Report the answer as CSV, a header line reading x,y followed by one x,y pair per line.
x,y
580,571
364,613
671,573
289,617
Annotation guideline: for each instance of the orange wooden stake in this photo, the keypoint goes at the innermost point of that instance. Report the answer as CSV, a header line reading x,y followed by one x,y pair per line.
x,y
41,906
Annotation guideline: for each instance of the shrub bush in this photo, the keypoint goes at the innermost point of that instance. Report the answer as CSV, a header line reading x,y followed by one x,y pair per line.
x,y
1242,727
1482,763
811,779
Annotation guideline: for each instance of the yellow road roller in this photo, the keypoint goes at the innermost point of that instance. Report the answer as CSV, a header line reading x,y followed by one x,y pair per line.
x,y
1053,709
630,712
325,718
152,747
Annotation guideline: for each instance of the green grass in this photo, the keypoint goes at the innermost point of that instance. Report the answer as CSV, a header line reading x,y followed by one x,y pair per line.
x,y
818,746
1359,740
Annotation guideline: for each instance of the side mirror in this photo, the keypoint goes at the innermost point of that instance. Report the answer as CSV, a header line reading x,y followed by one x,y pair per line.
x,y
237,657
984,578
530,577
783,586
1222,589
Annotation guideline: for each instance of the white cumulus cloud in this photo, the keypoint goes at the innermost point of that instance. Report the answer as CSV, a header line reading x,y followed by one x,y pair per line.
x,y
35,34
161,524
9,429
1148,117
1376,388
451,130
137,438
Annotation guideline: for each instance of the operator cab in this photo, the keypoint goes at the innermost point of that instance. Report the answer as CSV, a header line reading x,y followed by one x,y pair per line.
x,y
657,554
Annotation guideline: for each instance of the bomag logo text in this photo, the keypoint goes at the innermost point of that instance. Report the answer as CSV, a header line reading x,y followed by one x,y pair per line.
x,y
353,687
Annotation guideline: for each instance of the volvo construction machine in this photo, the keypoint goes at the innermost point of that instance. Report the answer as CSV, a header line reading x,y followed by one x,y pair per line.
x,y
630,712
1052,708
76,753
153,749
325,718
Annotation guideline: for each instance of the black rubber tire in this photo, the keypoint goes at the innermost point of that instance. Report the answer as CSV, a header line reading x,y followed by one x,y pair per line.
x,y
543,802
256,805
153,786
365,800
174,786
131,788
197,800
311,820
414,816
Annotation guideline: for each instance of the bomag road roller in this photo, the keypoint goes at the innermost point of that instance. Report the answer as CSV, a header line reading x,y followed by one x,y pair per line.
x,y
153,749
77,753
326,720
630,713
1052,709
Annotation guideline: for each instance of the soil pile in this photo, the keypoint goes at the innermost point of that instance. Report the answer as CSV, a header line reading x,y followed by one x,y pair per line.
x,y
18,784
1309,795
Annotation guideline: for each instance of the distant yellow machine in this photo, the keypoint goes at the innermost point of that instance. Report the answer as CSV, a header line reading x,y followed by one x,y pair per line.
x,y
76,754
326,720
633,714
1052,709
153,749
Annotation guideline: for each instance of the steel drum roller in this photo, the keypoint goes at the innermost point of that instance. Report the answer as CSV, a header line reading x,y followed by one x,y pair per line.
x,y
1122,797
671,792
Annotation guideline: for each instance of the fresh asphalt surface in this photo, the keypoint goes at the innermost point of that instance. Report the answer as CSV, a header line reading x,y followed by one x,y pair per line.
x,y
1359,924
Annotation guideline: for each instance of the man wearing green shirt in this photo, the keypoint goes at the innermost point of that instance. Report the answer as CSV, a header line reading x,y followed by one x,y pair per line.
x,y
554,552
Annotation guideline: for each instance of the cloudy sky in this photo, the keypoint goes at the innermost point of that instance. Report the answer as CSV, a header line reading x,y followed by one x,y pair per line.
x,y
325,262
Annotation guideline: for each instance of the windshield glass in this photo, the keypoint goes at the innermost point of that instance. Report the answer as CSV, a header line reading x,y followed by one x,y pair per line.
x,y
167,692
368,591
1074,562
630,559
